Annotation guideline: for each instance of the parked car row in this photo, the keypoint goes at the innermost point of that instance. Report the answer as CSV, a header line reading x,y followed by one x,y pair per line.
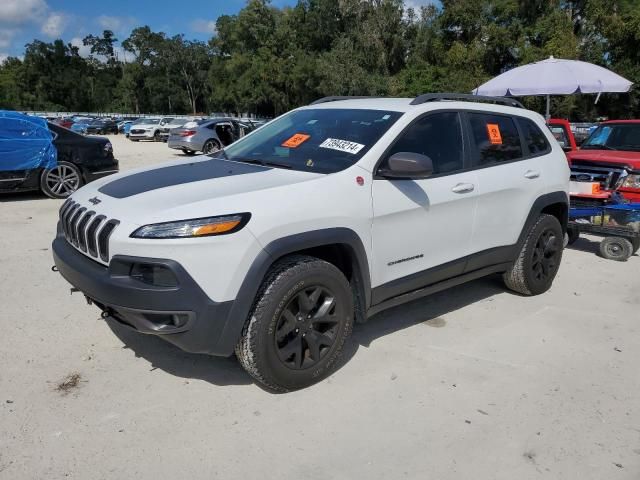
x,y
79,159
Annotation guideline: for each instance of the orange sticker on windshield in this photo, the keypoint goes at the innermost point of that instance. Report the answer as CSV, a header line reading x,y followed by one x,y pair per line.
x,y
296,140
495,137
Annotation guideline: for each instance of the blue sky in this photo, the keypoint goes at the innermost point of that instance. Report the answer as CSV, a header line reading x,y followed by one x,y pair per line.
x,y
21,21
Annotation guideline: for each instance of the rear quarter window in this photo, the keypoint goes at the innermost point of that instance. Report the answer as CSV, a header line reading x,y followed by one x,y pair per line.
x,y
495,138
534,139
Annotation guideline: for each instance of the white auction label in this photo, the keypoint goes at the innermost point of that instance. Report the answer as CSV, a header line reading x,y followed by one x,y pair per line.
x,y
342,145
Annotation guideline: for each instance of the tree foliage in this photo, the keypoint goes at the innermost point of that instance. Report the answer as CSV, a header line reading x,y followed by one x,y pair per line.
x,y
266,60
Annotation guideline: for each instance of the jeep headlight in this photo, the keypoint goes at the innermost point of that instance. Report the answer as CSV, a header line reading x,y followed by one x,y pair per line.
x,y
632,181
196,227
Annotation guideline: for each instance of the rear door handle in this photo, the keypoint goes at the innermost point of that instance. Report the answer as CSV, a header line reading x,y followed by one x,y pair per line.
x,y
463,188
531,174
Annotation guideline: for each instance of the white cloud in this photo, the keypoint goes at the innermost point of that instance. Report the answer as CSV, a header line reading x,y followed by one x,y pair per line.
x,y
6,36
3,57
204,26
54,25
20,12
83,50
116,24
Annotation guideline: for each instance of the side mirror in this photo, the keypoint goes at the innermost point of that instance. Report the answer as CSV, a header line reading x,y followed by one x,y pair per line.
x,y
407,165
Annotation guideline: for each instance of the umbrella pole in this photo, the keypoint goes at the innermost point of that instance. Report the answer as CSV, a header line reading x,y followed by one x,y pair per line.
x,y
548,115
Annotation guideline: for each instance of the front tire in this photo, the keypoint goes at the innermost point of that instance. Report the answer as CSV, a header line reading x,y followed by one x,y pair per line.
x,y
298,325
537,265
61,180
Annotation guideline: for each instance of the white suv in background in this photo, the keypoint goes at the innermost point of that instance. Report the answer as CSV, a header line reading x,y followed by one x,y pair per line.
x,y
274,246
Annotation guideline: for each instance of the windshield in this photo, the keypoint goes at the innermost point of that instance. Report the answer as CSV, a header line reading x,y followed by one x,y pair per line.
x,y
621,136
146,121
322,140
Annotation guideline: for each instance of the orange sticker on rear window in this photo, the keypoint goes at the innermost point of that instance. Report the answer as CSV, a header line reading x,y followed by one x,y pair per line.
x,y
495,137
296,140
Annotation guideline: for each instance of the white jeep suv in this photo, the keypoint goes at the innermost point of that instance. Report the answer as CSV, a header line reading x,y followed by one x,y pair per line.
x,y
274,246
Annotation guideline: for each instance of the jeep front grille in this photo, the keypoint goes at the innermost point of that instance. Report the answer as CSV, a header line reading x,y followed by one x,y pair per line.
x,y
606,176
86,230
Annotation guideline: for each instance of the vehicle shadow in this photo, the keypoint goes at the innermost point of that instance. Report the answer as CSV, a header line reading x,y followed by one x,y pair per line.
x,y
169,358
22,196
227,371
428,311
584,244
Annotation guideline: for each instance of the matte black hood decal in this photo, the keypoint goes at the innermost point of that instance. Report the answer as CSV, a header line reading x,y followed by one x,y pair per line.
x,y
176,175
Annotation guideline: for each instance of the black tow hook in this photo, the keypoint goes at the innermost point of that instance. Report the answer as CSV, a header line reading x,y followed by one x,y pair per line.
x,y
54,269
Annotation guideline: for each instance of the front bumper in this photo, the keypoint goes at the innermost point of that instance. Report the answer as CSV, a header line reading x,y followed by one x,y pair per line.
x,y
149,135
183,315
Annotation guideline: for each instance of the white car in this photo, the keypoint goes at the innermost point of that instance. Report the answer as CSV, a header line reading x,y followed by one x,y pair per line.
x,y
274,246
148,129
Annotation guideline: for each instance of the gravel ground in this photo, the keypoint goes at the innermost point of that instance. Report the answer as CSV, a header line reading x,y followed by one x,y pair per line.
x,y
474,382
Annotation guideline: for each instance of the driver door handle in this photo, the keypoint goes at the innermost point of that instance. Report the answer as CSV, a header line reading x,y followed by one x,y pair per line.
x,y
531,174
463,188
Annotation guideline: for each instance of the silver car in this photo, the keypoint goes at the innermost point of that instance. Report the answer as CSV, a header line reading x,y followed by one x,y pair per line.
x,y
207,136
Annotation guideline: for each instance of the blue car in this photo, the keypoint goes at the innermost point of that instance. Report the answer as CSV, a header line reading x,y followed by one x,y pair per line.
x,y
80,126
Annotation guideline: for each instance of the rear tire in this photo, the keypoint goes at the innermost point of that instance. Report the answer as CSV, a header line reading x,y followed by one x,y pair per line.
x,y
61,180
635,243
302,315
616,248
573,234
537,265
211,146
156,137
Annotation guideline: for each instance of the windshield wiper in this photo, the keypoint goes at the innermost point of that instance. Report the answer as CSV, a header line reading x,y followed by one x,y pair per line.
x,y
264,163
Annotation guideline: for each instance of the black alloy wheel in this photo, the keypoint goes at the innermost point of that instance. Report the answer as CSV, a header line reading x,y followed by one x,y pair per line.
x,y
545,255
533,272
307,328
297,327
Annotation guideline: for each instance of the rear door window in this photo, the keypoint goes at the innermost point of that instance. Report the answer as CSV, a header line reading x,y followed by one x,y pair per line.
x,y
495,139
535,141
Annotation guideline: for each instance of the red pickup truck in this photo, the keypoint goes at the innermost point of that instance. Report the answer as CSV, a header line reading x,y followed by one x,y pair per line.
x,y
608,159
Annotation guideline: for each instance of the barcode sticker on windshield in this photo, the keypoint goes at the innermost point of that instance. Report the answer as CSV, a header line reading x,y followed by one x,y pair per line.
x,y
342,145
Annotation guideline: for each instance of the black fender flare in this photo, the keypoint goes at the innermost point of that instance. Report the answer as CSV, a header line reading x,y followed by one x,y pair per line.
x,y
270,254
538,207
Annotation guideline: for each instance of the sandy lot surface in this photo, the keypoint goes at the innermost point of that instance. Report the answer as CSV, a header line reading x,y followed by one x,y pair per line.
x,y
472,383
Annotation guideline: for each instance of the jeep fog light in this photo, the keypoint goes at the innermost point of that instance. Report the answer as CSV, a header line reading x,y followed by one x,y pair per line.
x,y
197,227
153,274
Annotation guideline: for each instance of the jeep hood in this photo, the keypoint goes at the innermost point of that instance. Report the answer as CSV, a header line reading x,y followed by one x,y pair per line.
x,y
162,191
617,157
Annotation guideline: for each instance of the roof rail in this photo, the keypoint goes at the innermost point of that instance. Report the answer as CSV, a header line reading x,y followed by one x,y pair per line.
x,y
465,97
337,99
